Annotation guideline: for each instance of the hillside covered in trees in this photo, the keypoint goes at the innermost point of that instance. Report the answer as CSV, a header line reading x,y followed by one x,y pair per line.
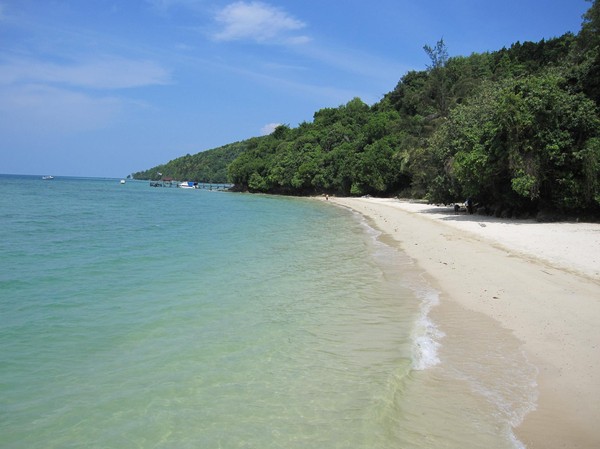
x,y
207,166
517,129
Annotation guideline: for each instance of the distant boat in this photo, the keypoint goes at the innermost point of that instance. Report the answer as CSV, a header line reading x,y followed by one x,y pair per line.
x,y
188,185
47,178
122,181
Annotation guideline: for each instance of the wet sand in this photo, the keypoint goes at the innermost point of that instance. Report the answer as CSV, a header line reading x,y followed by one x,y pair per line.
x,y
538,281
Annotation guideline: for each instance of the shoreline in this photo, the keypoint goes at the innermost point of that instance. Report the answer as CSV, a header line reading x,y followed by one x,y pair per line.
x,y
539,281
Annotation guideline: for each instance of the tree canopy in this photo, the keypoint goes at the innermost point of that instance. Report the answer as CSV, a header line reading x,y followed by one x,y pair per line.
x,y
517,129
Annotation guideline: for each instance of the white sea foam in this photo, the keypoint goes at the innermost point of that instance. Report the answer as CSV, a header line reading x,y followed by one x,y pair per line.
x,y
426,335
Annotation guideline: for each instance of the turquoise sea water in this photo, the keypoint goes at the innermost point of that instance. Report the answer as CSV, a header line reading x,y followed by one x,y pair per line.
x,y
138,317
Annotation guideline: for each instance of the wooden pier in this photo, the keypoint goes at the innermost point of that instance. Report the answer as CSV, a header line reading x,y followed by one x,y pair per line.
x,y
170,182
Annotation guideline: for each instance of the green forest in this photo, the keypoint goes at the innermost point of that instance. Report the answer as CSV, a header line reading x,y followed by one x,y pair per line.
x,y
517,130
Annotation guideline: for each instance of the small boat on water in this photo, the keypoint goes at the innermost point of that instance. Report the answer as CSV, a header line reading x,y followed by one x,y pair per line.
x,y
47,178
122,181
188,185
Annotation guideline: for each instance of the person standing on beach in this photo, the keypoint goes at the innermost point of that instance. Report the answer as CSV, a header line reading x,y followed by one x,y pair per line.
x,y
469,204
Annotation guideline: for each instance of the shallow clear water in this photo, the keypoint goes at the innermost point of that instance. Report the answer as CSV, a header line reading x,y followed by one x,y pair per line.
x,y
146,317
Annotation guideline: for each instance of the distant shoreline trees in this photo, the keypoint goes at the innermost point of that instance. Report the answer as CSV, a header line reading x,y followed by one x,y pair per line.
x,y
517,129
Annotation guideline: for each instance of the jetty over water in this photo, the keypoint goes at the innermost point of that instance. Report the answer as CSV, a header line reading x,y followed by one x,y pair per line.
x,y
170,182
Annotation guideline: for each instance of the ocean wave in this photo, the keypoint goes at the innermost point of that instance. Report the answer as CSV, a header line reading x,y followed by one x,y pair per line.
x,y
426,335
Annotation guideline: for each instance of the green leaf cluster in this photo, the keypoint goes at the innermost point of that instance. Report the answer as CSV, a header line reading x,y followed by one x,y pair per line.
x,y
347,150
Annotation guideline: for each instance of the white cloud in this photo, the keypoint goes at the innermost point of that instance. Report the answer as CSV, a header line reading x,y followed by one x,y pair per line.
x,y
103,73
298,40
259,22
268,128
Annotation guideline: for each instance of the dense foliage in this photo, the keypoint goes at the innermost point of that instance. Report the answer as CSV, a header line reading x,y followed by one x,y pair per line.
x,y
517,130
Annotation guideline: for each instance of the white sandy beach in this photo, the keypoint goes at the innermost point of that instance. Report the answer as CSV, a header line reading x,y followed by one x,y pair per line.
x,y
541,282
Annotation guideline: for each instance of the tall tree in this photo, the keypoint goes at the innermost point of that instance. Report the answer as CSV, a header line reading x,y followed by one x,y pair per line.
x,y
438,76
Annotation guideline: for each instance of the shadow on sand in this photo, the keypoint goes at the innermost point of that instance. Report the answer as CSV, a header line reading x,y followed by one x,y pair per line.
x,y
447,213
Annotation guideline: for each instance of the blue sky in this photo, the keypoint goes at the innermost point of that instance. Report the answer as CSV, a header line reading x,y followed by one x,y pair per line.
x,y
109,87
